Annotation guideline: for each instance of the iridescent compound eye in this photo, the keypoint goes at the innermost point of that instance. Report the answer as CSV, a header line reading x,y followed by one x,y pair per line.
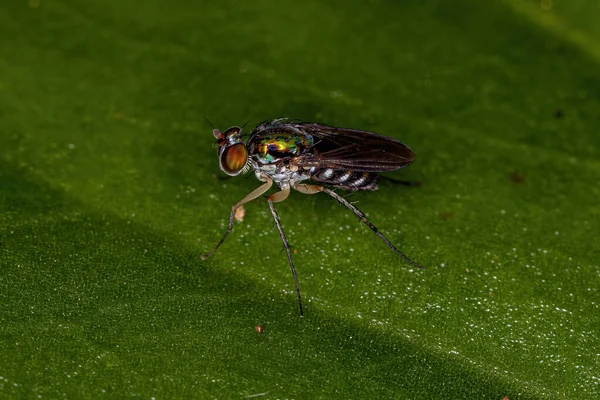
x,y
233,159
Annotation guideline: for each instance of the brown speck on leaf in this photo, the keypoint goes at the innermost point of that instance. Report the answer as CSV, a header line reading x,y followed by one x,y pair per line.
x,y
446,215
239,214
505,398
516,177
295,251
259,328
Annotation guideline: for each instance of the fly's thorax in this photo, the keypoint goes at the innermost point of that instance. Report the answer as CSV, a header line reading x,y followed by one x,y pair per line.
x,y
283,174
273,147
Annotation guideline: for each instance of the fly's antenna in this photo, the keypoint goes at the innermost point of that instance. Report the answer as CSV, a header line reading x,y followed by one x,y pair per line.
x,y
243,135
210,122
246,123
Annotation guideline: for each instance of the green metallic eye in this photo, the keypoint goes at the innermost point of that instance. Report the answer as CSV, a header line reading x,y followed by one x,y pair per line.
x,y
233,159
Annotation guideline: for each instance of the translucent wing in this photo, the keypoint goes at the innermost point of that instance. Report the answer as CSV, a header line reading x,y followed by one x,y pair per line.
x,y
340,148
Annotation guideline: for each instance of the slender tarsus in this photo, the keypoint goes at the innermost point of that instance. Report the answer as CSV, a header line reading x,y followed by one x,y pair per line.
x,y
287,250
364,219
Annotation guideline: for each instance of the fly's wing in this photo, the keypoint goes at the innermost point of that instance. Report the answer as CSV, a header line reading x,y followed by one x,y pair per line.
x,y
339,148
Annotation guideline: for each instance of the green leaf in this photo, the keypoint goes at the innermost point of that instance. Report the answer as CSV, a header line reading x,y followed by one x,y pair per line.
x,y
110,191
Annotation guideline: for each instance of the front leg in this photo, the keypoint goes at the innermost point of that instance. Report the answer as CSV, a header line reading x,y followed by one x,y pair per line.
x,y
249,197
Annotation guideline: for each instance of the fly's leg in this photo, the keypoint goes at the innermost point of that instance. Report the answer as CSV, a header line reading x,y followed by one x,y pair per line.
x,y
249,197
279,196
309,189
312,189
275,198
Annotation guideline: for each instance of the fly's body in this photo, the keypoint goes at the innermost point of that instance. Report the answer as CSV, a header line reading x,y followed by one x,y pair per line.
x,y
290,154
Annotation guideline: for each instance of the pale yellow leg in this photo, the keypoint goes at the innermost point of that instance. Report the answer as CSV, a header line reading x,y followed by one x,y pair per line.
x,y
308,189
259,191
279,196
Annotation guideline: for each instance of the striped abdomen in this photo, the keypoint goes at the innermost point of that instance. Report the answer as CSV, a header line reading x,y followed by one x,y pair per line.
x,y
346,179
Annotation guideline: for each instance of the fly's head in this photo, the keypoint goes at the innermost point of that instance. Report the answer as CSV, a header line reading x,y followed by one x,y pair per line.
x,y
233,154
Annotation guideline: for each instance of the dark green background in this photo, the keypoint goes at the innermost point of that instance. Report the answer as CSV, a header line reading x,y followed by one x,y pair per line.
x,y
109,194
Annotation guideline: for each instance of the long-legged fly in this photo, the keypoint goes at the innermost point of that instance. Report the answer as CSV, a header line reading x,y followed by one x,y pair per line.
x,y
289,153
